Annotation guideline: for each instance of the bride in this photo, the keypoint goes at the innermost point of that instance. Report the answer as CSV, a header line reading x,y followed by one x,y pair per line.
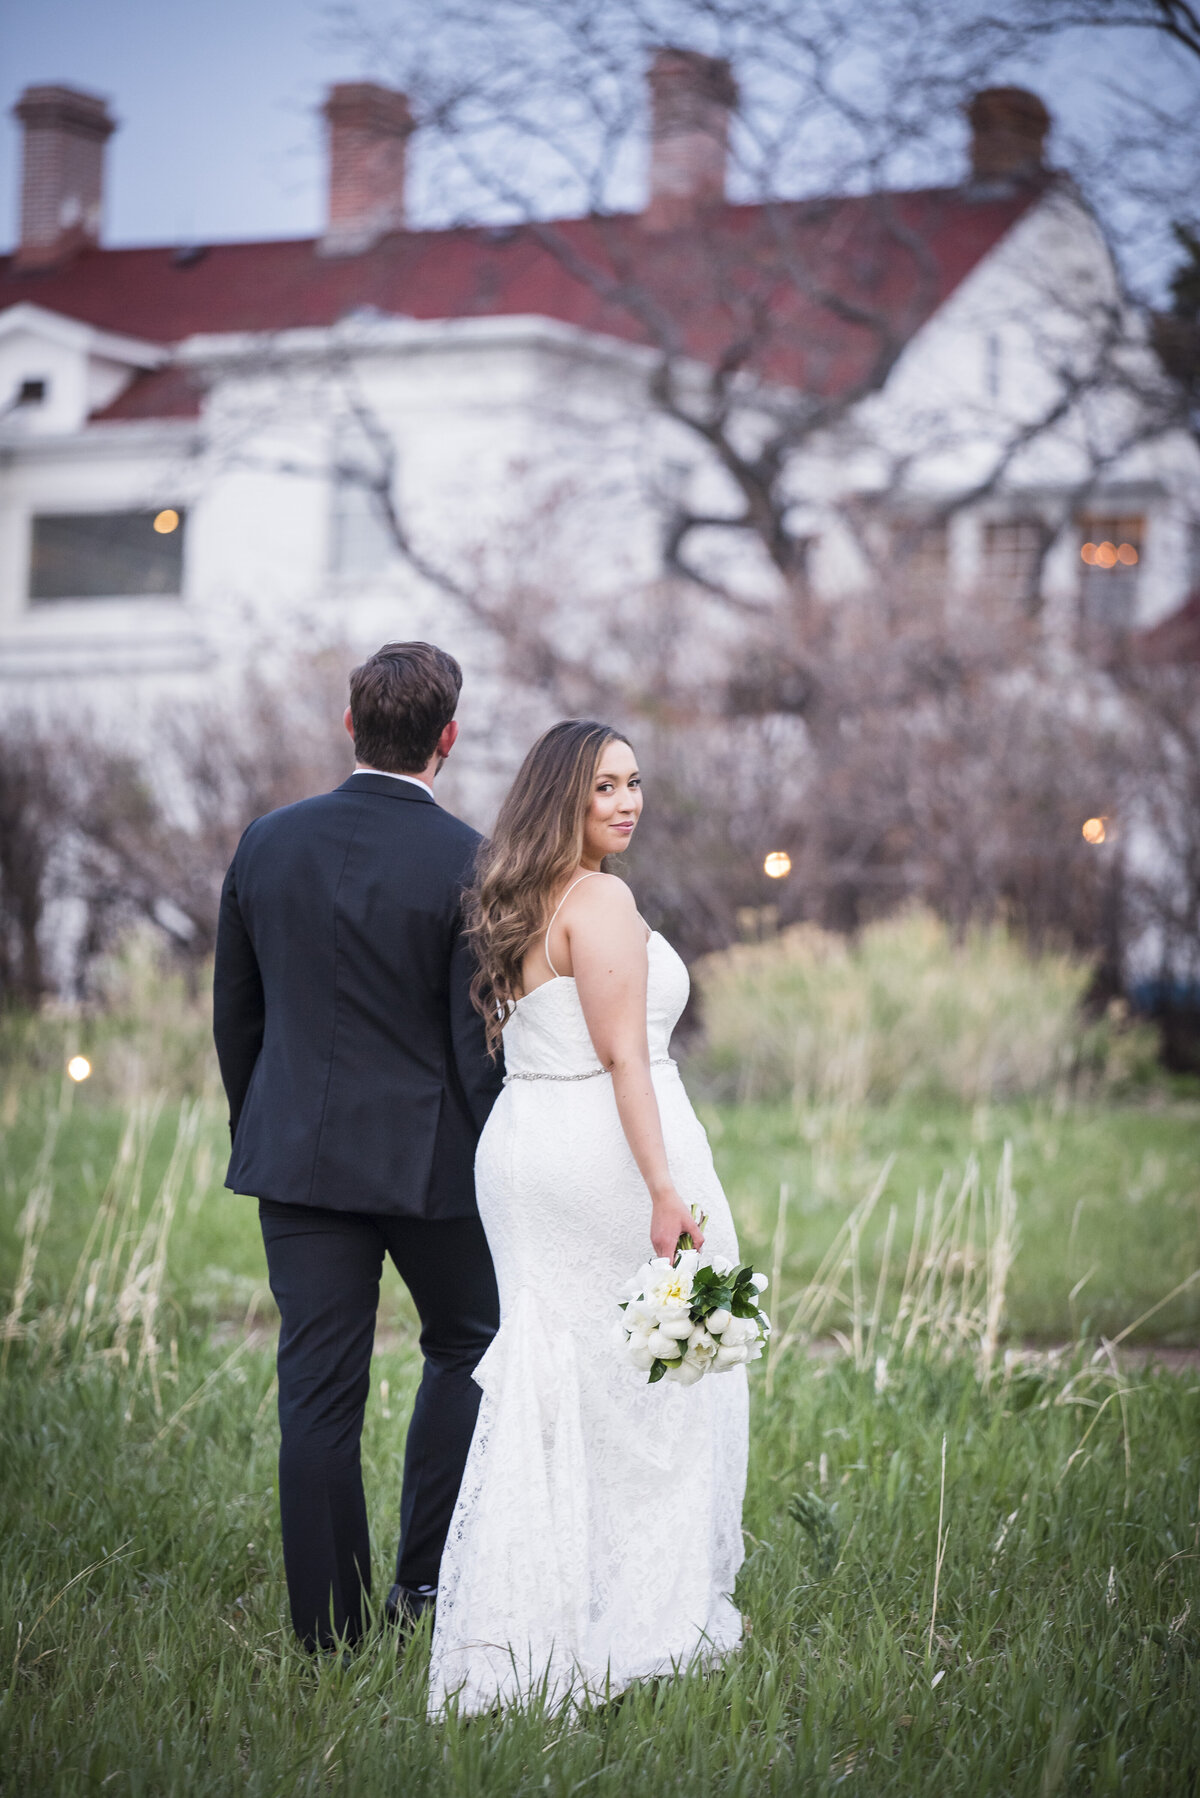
x,y
597,1533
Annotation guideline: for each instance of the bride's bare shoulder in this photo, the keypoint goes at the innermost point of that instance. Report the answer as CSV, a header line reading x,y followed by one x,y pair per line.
x,y
603,896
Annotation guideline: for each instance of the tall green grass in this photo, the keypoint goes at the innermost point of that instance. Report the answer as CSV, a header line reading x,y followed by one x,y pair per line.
x,y
905,1010
1108,1198
971,1567
950,1586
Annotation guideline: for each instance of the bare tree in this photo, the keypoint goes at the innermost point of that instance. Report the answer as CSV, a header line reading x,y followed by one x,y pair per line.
x,y
917,734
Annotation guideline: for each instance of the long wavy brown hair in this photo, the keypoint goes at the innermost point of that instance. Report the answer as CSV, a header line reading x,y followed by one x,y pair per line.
x,y
537,841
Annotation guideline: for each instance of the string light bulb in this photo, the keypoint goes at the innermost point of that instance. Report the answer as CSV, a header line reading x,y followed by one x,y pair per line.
x,y
777,865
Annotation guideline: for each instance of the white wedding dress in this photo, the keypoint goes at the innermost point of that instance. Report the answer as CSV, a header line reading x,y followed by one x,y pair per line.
x,y
597,1533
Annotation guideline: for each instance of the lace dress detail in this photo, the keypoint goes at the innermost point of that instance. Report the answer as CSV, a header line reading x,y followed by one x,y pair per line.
x,y
565,1574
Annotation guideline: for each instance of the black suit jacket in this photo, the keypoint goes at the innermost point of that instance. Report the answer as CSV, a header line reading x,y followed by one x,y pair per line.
x,y
354,1062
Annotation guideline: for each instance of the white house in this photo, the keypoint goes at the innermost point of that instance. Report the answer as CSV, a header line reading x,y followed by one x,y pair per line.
x,y
193,441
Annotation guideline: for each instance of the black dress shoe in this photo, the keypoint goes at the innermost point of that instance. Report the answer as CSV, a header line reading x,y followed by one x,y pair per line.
x,y
404,1606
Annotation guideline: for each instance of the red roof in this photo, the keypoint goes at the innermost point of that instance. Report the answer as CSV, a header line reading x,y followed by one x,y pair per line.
x,y
813,291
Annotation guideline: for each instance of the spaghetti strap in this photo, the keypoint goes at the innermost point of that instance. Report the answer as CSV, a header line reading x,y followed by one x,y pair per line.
x,y
555,913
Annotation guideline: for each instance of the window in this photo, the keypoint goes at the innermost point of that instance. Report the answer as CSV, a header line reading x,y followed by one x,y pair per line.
x,y
1111,551
107,555
923,555
361,543
991,365
1012,558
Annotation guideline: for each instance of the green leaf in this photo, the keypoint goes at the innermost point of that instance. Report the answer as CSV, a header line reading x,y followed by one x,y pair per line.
x,y
657,1370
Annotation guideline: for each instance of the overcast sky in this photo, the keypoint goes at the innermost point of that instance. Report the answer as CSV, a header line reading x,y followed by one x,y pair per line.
x,y
220,135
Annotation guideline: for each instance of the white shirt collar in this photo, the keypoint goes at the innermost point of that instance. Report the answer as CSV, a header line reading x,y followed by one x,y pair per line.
x,y
412,779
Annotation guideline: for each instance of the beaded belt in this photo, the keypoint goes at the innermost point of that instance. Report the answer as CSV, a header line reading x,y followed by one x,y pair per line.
x,y
661,1061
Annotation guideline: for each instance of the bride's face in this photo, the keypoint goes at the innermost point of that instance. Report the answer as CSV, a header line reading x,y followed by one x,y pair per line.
x,y
616,804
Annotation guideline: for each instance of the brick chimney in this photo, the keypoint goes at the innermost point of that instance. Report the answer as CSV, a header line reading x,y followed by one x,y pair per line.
x,y
1008,135
62,174
691,98
369,129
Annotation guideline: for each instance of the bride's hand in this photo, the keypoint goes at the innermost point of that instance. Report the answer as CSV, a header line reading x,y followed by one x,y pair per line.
x,y
669,1218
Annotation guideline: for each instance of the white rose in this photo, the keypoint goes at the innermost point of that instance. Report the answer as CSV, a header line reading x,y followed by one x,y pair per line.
x,y
719,1321
699,1337
720,1265
760,1282
671,1287
733,1356
663,1348
679,1326
641,1356
685,1373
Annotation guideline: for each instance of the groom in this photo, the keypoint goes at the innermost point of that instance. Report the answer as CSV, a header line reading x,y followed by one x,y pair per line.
x,y
358,1084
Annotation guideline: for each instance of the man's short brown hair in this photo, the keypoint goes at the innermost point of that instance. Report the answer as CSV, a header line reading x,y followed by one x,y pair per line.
x,y
401,700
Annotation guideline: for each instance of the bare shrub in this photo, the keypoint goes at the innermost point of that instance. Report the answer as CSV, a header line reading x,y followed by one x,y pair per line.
x,y
904,1009
33,807
97,840
159,854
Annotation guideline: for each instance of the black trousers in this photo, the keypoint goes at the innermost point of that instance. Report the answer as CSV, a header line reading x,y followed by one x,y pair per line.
x,y
324,1269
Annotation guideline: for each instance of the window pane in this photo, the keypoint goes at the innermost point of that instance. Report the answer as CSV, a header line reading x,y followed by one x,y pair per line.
x,y
1110,553
361,541
107,555
1012,558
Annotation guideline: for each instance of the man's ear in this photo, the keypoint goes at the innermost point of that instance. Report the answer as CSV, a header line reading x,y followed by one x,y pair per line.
x,y
448,739
349,723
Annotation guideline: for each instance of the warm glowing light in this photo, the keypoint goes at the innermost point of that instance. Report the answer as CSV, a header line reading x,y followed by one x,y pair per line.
x,y
79,1067
166,522
1095,830
777,864
1107,555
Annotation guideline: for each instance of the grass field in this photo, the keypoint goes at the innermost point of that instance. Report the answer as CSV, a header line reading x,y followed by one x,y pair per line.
x,y
1108,1199
971,1566
1045,1639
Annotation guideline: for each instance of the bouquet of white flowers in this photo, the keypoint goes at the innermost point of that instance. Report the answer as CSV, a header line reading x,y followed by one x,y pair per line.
x,y
695,1313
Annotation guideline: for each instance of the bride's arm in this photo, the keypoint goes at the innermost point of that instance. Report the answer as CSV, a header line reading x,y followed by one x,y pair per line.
x,y
607,942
